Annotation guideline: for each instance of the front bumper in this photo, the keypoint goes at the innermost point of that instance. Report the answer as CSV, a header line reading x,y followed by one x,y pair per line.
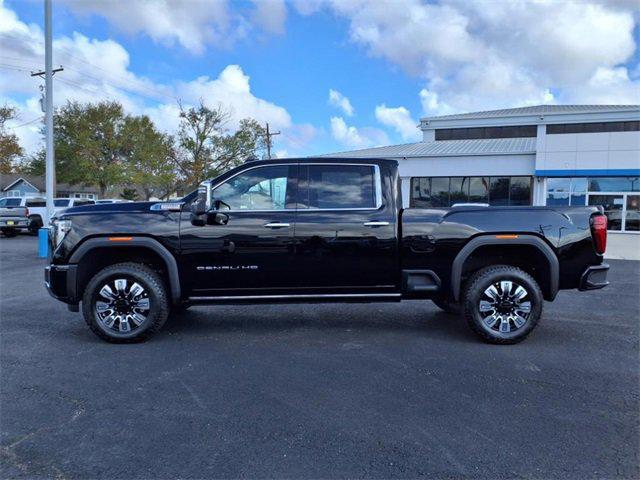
x,y
60,281
17,223
594,277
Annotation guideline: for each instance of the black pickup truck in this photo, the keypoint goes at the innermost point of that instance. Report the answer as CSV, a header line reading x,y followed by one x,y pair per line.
x,y
319,230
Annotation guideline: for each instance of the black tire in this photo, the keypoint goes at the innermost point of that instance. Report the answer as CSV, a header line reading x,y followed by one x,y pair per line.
x,y
9,232
155,315
495,316
35,223
447,306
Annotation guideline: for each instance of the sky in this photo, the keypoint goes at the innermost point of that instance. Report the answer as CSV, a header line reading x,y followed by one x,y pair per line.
x,y
330,75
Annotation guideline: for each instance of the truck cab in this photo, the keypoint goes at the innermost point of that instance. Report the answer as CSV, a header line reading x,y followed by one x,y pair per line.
x,y
296,229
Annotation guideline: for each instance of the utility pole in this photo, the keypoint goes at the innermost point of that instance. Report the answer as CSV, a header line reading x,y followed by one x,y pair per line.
x,y
268,136
50,171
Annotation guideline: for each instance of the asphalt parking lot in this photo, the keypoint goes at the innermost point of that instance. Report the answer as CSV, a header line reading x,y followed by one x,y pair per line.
x,y
309,391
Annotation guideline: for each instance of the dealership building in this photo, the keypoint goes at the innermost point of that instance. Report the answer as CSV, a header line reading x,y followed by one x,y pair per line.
x,y
540,155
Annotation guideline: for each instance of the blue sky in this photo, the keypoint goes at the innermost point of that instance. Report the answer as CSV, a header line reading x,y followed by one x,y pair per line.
x,y
331,75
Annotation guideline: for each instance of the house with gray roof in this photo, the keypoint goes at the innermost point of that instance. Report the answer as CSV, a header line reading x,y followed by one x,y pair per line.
x,y
20,185
536,155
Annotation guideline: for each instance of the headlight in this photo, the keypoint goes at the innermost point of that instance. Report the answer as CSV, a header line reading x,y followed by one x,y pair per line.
x,y
60,230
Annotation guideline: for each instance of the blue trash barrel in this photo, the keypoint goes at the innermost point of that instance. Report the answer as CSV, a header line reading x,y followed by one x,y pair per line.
x,y
43,242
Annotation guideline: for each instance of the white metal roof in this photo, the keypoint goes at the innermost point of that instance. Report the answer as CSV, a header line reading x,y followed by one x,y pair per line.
x,y
537,110
444,148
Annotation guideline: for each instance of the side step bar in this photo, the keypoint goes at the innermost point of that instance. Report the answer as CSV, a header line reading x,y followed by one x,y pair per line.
x,y
299,298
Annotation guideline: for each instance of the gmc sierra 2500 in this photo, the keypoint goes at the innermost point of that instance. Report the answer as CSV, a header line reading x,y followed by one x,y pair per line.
x,y
319,230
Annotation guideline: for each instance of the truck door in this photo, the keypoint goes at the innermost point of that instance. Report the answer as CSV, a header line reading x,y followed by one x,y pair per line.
x,y
253,251
346,232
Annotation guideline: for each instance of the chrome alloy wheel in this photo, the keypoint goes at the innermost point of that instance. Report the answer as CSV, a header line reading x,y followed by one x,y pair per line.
x,y
505,306
123,305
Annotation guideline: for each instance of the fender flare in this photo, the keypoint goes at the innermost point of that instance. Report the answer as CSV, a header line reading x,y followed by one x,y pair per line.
x,y
483,240
144,242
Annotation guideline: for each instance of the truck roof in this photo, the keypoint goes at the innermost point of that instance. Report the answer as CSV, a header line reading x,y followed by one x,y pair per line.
x,y
323,160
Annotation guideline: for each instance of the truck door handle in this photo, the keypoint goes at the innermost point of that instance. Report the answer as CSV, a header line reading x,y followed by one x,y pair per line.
x,y
276,225
376,224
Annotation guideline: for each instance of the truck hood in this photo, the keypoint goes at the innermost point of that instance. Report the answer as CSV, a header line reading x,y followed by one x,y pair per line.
x,y
110,208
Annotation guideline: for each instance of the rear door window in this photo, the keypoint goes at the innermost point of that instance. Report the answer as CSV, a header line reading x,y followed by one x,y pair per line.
x,y
336,187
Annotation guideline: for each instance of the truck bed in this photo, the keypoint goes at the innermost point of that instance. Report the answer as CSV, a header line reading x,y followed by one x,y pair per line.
x,y
441,233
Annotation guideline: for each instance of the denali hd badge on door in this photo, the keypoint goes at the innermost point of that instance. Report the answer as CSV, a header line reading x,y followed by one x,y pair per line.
x,y
226,267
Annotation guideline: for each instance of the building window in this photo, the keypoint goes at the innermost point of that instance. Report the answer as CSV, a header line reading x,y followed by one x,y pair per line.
x,y
615,194
516,131
632,214
434,192
593,127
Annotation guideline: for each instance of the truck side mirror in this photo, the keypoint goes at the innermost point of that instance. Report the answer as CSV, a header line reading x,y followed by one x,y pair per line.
x,y
201,205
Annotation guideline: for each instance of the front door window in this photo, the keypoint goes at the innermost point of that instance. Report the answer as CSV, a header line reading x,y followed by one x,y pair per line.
x,y
259,189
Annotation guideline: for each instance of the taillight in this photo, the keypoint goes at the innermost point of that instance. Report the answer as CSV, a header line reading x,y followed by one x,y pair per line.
x,y
599,232
27,211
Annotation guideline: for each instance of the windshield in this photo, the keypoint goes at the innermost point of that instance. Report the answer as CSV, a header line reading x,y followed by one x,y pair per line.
x,y
10,202
61,203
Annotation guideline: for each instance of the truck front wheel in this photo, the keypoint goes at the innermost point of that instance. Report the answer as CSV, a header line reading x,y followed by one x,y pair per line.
x,y
125,303
502,304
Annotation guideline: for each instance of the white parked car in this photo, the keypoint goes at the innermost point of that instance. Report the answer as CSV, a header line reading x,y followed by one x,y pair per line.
x,y
112,200
60,204
37,207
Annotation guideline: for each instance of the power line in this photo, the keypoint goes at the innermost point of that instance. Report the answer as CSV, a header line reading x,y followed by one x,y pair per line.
x,y
117,81
13,67
27,123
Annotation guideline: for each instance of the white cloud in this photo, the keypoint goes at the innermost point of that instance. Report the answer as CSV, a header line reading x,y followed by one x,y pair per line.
x,y
353,137
232,89
338,100
271,15
100,70
482,55
431,104
399,118
190,23
607,86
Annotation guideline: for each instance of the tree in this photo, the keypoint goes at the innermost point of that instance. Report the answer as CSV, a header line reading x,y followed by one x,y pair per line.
x,y
10,149
34,164
90,144
205,149
248,141
129,194
148,154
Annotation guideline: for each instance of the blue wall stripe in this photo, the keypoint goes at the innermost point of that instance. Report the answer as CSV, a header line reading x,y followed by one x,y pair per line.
x,y
629,172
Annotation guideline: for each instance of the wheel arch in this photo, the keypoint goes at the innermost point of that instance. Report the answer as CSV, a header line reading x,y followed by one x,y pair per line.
x,y
88,259
542,252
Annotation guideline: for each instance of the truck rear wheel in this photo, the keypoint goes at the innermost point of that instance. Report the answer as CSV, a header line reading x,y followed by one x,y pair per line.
x,y
9,232
125,303
502,304
35,224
